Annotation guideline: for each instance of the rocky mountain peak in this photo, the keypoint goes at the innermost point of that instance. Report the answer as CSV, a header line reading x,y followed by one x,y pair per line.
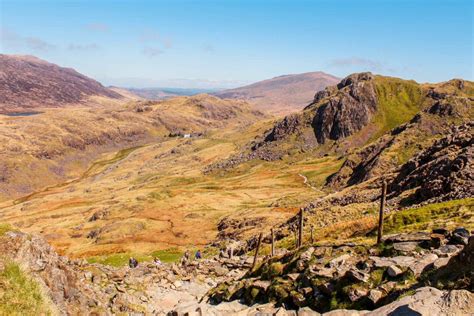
x,y
347,109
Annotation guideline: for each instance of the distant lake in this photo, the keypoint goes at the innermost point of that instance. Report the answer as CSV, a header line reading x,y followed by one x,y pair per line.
x,y
22,113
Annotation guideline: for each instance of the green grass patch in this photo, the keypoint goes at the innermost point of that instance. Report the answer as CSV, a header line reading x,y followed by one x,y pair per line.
x,y
121,259
20,294
317,178
4,228
168,255
398,100
450,213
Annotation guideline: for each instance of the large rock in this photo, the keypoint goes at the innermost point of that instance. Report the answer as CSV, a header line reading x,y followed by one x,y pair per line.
x,y
347,111
430,301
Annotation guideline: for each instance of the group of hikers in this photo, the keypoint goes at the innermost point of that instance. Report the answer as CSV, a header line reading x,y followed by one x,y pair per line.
x,y
133,263
187,256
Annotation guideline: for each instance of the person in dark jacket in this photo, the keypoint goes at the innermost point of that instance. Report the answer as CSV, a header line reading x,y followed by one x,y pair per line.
x,y
132,262
198,255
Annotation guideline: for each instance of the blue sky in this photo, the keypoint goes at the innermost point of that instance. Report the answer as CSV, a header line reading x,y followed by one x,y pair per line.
x,y
207,44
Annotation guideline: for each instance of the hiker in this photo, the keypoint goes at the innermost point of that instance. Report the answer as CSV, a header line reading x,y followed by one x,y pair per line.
x,y
230,251
185,258
198,255
132,262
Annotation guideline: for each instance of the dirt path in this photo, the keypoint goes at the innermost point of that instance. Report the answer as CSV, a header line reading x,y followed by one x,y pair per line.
x,y
305,181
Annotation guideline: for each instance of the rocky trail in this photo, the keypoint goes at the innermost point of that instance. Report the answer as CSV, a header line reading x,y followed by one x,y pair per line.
x,y
290,284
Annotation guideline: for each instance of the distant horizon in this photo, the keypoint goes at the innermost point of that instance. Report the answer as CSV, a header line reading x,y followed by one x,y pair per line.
x,y
205,45
197,90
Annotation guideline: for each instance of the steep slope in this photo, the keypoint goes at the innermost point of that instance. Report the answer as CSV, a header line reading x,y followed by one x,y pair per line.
x,y
283,94
27,83
374,123
444,171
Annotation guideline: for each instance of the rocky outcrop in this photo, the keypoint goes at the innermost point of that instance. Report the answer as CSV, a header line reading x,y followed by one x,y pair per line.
x,y
458,272
78,288
442,172
335,113
354,276
347,110
351,275
289,125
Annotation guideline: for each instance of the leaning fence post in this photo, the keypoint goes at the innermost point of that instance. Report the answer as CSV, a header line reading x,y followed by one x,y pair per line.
x,y
382,206
273,242
300,229
256,251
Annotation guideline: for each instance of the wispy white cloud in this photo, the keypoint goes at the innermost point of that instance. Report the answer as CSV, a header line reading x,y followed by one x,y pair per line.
x,y
97,27
152,52
83,47
11,39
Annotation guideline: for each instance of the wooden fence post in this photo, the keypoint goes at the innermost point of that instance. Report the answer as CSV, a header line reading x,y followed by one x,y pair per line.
x,y
296,236
300,229
382,206
273,243
312,240
256,251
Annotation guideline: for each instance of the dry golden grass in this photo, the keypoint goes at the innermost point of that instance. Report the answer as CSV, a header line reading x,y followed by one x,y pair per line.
x,y
158,197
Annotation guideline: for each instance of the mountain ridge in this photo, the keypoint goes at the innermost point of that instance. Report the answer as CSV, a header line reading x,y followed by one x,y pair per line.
x,y
28,83
282,94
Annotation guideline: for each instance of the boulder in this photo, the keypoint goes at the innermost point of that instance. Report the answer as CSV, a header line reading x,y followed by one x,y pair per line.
x,y
358,276
394,271
430,301
356,293
423,263
409,246
402,261
306,311
375,295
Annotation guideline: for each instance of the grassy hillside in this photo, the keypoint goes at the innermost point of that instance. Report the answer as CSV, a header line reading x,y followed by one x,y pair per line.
x,y
398,101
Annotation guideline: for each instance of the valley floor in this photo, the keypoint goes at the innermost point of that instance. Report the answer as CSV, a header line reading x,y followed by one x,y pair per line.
x,y
156,197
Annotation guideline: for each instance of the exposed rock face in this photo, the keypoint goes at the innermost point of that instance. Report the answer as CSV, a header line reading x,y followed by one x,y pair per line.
x,y
348,110
444,171
335,113
27,82
289,125
55,272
